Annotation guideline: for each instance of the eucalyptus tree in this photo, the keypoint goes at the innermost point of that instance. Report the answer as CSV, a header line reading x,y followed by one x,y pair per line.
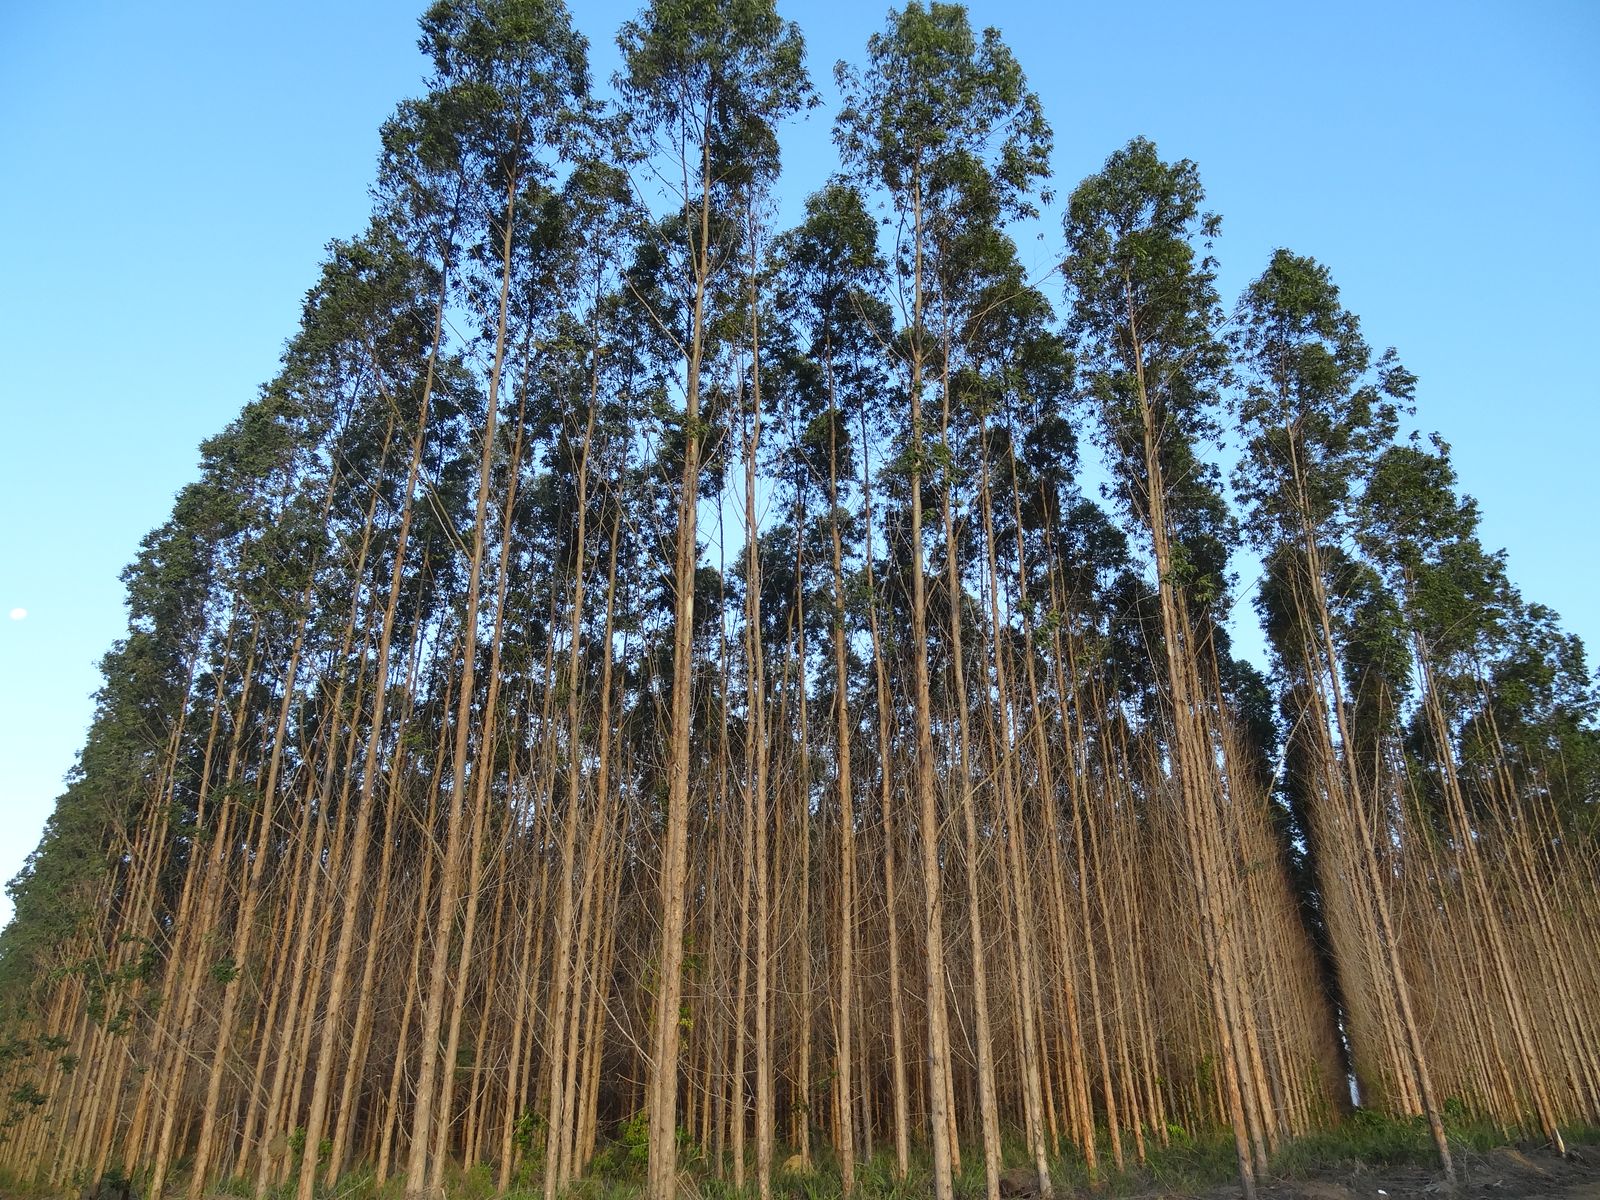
x,y
89,901
942,123
1072,586
763,731
171,586
829,280
302,406
1314,412
280,464
586,417
1536,714
263,515
706,86
1146,313
508,93
373,309
1457,609
1014,361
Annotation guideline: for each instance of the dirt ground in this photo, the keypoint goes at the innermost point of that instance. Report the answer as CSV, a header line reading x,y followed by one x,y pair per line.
x,y
1505,1173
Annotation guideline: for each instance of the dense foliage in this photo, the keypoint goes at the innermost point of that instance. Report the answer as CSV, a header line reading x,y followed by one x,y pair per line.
x,y
640,679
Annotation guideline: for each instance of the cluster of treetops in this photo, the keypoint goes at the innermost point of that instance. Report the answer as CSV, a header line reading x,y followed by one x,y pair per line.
x,y
646,690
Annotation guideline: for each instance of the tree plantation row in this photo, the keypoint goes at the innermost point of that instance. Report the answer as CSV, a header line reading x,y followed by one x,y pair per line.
x,y
647,691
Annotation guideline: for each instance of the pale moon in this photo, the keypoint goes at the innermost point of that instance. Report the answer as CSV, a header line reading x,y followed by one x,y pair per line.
x,y
19,614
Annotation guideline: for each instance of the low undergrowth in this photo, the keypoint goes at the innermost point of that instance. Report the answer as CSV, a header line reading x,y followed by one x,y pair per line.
x,y
1188,1163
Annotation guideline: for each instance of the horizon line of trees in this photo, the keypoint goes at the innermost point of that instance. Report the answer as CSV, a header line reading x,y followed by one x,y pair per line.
x,y
643,688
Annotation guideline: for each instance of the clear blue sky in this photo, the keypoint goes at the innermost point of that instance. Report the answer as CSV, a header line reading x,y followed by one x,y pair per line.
x,y
172,172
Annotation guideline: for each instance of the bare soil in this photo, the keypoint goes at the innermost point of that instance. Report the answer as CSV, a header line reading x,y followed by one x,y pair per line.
x,y
1505,1173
